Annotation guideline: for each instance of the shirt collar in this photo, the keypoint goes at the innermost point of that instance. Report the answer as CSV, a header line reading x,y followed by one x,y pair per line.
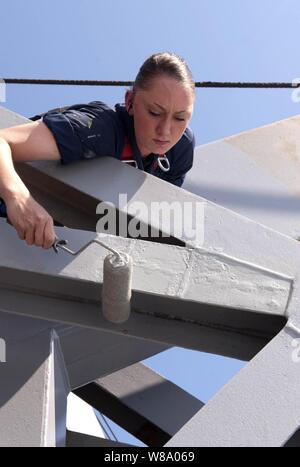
x,y
128,123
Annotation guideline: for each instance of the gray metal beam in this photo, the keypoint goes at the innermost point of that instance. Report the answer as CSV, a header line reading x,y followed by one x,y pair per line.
x,y
223,341
120,413
91,354
253,174
170,303
34,384
142,402
9,118
260,407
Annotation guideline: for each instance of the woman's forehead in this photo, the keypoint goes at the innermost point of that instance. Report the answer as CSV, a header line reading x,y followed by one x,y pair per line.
x,y
167,92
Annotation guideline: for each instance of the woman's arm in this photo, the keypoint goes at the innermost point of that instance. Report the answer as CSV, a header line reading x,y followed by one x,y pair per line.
x,y
28,142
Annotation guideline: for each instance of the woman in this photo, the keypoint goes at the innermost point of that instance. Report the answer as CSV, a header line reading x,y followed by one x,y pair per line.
x,y
150,130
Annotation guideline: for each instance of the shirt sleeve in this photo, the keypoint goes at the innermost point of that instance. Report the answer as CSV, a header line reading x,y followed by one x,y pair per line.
x,y
83,131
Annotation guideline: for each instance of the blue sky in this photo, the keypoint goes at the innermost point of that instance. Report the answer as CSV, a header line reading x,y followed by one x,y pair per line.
x,y
233,40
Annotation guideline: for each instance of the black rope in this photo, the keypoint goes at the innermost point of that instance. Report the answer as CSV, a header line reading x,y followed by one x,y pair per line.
x,y
198,84
214,84
69,82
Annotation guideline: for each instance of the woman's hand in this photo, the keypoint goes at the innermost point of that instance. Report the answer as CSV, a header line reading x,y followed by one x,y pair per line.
x,y
31,221
21,143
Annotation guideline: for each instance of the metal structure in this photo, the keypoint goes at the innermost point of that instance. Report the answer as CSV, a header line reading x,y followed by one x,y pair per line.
x,y
234,292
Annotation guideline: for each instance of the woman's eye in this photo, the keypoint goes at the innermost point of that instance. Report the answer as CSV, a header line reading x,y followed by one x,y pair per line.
x,y
154,113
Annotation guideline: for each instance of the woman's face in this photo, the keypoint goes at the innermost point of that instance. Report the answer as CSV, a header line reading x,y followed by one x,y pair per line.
x,y
161,114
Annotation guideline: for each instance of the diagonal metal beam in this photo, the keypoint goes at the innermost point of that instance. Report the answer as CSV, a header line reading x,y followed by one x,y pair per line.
x,y
294,441
9,118
50,182
90,354
255,173
127,418
260,407
142,402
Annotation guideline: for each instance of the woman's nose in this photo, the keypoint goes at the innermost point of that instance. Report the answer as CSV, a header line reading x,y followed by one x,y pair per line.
x,y
164,128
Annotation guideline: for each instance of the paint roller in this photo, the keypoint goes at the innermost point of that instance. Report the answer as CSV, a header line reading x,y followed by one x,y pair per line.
x,y
117,280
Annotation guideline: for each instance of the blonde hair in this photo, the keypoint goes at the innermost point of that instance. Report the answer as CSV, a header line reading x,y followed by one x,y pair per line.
x,y
164,63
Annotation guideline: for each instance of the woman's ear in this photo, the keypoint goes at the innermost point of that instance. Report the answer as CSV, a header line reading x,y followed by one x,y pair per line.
x,y
129,102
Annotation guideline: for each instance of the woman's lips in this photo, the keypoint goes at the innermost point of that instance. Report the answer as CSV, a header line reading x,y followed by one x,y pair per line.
x,y
160,142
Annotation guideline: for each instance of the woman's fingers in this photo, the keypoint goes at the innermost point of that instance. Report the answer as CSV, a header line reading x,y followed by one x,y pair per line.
x,y
20,232
32,222
29,236
39,233
49,234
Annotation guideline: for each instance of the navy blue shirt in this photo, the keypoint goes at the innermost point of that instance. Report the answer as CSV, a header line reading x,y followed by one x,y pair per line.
x,y
85,131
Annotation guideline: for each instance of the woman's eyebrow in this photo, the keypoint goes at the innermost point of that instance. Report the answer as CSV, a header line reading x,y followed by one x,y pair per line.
x,y
160,106
164,110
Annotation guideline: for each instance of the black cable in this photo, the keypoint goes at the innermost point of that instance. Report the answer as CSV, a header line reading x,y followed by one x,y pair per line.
x,y
69,82
198,84
214,84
